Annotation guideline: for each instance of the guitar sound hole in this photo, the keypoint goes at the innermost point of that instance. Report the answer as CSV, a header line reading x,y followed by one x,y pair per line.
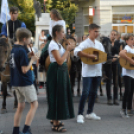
x,y
132,64
97,54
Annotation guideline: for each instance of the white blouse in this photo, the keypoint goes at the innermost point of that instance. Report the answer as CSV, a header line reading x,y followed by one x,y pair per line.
x,y
127,72
43,38
53,23
54,46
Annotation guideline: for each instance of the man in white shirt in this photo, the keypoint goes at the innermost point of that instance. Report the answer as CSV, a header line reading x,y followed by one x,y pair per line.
x,y
91,74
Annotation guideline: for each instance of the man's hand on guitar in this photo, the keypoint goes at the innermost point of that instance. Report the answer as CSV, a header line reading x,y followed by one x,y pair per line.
x,y
131,61
92,56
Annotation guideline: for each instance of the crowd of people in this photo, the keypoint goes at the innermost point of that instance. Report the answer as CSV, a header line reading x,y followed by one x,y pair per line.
x,y
59,94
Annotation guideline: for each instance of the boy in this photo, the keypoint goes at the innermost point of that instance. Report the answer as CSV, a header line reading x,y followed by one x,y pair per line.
x,y
21,80
13,24
91,74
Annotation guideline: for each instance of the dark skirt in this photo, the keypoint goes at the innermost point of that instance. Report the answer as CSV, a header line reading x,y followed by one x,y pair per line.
x,y
60,104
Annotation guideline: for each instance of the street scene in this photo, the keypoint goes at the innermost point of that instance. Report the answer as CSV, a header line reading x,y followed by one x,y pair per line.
x,y
111,122
66,66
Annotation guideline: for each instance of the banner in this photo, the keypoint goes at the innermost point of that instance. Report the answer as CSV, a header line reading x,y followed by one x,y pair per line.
x,y
4,16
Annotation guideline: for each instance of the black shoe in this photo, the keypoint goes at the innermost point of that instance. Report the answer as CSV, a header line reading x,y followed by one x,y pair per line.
x,y
124,114
101,94
109,102
130,112
28,132
8,95
116,103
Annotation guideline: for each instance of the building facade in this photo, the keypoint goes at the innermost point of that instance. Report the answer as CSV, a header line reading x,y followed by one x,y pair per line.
x,y
82,19
109,14
117,15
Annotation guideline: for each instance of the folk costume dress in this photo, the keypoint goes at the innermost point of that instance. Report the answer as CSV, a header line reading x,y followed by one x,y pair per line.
x,y
60,104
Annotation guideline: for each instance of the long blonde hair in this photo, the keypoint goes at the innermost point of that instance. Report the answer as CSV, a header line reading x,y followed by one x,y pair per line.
x,y
57,14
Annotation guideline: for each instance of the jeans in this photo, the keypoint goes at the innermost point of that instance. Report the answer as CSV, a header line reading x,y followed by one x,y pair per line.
x,y
90,86
112,69
128,94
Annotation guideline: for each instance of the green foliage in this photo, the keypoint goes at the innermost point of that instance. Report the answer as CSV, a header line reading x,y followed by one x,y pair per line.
x,y
48,6
66,8
27,13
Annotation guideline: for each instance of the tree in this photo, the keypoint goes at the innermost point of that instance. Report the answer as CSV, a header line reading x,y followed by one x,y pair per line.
x,y
66,8
26,12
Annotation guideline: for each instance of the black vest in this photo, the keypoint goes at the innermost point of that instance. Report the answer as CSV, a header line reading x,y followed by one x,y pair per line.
x,y
13,27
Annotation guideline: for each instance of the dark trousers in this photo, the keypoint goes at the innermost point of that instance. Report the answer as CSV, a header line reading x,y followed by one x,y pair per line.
x,y
90,86
35,70
35,73
111,70
119,78
128,94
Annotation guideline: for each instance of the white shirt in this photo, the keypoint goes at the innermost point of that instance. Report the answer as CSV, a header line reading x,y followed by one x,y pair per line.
x,y
54,46
53,23
43,38
127,72
90,70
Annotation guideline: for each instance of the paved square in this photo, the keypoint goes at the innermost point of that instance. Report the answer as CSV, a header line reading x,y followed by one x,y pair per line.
x,y
111,122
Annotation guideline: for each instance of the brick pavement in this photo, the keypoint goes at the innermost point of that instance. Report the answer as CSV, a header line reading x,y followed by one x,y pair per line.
x,y
111,122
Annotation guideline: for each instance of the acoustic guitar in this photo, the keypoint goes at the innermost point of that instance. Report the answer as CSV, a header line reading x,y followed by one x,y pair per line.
x,y
101,56
124,63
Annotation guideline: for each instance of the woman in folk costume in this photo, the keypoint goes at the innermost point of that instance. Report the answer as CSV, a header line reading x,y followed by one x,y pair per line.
x,y
56,19
60,104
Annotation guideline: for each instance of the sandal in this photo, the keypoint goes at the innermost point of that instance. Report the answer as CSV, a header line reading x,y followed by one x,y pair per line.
x,y
59,129
60,123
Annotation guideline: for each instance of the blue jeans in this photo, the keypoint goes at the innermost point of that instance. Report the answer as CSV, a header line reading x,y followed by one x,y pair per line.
x,y
90,86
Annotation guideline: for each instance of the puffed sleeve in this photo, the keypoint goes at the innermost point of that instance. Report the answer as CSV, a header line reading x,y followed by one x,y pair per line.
x,y
53,46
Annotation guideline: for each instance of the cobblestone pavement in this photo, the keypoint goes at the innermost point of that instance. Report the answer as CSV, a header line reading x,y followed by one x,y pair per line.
x,y
111,122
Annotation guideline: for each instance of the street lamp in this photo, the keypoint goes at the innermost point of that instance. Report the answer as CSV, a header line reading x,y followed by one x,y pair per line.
x,y
44,6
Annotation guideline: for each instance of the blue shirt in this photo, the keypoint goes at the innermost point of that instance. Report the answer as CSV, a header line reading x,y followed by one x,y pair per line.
x,y
4,29
18,59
